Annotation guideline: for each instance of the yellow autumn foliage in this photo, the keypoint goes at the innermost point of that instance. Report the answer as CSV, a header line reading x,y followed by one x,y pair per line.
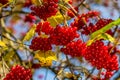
x,y
45,58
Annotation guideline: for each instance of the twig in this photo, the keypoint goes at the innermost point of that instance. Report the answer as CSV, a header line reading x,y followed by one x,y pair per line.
x,y
90,73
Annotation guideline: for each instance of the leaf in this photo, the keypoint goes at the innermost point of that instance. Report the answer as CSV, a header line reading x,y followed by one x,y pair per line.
x,y
30,33
106,28
36,2
3,45
107,36
10,0
9,55
45,58
57,19
104,36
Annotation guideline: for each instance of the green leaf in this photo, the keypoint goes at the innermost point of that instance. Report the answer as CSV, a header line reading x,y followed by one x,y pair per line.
x,y
106,28
30,33
104,36
108,37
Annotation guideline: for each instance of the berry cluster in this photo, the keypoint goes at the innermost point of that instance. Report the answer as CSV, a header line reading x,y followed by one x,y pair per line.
x,y
102,22
94,27
89,29
81,20
113,50
63,35
18,73
70,13
75,49
3,1
44,27
27,3
46,10
29,18
39,43
50,1
108,75
99,56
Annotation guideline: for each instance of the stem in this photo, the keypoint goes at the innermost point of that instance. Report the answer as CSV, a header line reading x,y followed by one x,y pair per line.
x,y
14,41
46,73
81,3
74,11
69,64
90,73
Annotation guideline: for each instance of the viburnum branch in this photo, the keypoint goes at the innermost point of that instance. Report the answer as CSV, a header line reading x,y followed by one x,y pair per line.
x,y
73,10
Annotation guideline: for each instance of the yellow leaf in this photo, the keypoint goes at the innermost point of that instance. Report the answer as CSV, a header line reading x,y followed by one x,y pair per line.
x,y
36,2
57,19
10,0
9,55
30,33
3,45
45,58
67,0
104,36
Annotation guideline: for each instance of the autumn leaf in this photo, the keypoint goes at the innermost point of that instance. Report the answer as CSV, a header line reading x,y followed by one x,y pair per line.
x,y
9,55
104,36
36,2
3,45
105,28
57,19
45,58
30,33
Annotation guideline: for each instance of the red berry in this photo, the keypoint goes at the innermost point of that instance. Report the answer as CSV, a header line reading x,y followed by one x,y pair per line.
x,y
45,11
63,35
75,49
29,18
18,73
44,27
39,43
3,1
97,54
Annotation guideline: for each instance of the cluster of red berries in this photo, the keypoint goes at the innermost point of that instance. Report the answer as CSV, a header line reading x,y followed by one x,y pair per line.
x,y
113,49
89,29
46,10
102,22
44,27
81,20
97,54
18,73
70,12
50,1
29,18
3,1
75,49
39,43
63,35
94,27
28,3
108,75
